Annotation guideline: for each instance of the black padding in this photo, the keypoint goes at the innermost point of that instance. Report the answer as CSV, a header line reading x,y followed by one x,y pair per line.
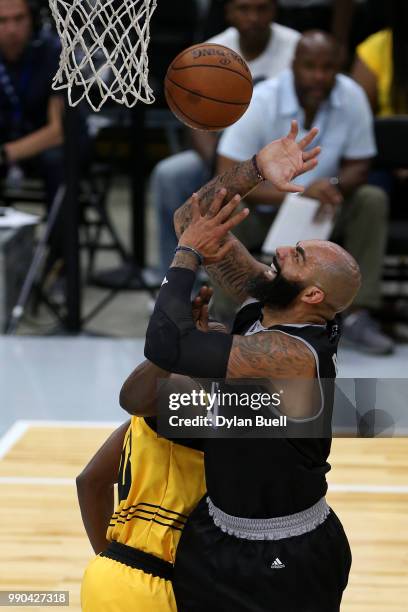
x,y
162,341
172,340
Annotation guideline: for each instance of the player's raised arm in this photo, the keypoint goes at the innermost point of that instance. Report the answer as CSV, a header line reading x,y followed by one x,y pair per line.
x,y
279,162
174,343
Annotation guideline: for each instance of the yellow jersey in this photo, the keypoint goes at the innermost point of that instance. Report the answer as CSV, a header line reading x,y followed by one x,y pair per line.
x,y
160,483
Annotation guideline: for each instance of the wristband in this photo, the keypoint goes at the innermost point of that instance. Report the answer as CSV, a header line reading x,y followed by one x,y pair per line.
x,y
256,168
189,249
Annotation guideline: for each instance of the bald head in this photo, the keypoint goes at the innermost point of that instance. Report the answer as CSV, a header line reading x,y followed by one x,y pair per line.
x,y
335,271
315,67
316,41
310,281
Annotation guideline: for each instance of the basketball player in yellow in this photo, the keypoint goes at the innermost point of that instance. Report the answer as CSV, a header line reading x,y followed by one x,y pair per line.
x,y
159,484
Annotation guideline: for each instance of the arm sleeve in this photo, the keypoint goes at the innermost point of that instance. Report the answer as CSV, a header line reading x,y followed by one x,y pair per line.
x,y
172,340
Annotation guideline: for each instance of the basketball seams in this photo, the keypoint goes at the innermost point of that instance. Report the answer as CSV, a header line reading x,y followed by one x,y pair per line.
x,y
190,49
200,95
210,66
205,126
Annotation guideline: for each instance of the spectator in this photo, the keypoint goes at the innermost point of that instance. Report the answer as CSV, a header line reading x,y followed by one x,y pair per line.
x,y
381,64
31,131
268,48
315,94
30,114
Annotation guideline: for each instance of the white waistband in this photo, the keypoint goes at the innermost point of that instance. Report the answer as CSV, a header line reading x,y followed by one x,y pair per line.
x,y
276,528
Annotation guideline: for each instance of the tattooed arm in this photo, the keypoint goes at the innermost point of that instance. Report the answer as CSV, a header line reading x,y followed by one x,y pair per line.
x,y
276,357
238,265
174,343
279,162
270,355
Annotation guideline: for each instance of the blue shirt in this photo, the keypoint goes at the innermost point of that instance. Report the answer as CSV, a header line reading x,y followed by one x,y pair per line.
x,y
344,119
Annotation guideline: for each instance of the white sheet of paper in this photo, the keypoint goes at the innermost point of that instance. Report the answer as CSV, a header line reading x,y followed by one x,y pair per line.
x,y
10,217
296,221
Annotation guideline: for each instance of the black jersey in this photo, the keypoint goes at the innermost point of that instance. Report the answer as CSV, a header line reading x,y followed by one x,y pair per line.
x,y
264,478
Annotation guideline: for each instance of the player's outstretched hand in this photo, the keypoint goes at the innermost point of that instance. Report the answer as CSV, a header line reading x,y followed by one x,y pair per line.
x,y
284,159
208,233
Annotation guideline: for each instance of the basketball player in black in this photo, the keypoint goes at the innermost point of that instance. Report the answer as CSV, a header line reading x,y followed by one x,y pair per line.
x,y
264,538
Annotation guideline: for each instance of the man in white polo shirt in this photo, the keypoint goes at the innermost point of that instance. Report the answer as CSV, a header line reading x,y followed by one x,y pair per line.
x,y
314,93
268,48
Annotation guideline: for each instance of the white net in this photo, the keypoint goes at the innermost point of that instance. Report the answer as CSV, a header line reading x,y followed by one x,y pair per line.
x,y
104,50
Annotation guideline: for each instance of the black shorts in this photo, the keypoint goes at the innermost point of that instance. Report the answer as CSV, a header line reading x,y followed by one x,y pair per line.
x,y
222,573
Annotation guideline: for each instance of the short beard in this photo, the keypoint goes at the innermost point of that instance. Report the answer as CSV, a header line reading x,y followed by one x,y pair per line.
x,y
276,294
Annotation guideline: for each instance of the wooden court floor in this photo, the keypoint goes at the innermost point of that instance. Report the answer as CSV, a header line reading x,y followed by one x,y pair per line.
x,y
43,544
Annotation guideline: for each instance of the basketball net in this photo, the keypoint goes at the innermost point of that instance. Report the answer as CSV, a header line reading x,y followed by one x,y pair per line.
x,y
104,50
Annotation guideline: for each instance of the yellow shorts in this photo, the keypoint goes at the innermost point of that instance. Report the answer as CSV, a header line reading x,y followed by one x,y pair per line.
x,y
110,586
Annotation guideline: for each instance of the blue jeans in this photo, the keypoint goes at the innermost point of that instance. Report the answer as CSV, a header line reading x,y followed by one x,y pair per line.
x,y
173,181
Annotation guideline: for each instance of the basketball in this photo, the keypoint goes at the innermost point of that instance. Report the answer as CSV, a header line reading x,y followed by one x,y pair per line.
x,y
208,87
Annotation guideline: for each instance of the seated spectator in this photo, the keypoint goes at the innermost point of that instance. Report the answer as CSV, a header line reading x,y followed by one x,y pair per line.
x,y
268,48
315,94
381,64
31,131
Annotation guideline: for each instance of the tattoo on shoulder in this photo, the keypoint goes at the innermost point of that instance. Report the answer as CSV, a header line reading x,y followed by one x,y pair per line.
x,y
270,354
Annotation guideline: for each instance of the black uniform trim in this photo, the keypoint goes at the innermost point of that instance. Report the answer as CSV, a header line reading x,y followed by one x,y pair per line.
x,y
150,506
166,518
139,559
143,518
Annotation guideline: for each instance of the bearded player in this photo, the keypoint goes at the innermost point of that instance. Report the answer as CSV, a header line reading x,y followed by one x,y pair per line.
x,y
265,524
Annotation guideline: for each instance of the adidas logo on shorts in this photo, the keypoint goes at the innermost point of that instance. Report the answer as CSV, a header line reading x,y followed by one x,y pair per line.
x,y
277,564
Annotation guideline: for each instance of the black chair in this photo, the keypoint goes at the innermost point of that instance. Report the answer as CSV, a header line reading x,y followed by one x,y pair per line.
x,y
391,136
97,229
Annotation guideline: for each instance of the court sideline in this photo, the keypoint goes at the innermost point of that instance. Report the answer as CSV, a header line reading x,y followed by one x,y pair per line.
x,y
45,547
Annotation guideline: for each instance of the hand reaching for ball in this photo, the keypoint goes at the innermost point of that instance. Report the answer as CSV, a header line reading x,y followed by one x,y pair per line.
x,y
208,233
283,160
